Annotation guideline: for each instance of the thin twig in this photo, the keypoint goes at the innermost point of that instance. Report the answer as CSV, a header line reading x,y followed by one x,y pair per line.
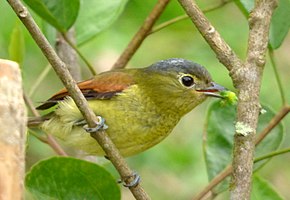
x,y
228,170
214,182
142,33
39,80
40,138
273,123
183,17
280,87
272,154
63,73
55,146
89,65
168,23
29,103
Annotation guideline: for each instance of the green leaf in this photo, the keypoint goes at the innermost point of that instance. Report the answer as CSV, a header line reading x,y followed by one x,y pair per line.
x,y
262,190
280,23
220,129
59,13
95,16
245,6
16,47
70,178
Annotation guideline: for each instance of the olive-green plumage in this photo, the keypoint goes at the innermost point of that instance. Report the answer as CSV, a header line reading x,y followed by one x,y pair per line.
x,y
140,106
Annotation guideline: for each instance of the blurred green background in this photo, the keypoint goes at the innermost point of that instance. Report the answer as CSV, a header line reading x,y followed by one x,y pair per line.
x,y
175,168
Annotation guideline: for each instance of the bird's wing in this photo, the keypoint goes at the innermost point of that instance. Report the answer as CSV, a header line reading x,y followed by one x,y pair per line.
x,y
102,86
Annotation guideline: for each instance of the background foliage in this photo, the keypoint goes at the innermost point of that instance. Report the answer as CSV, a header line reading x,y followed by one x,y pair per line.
x,y
178,161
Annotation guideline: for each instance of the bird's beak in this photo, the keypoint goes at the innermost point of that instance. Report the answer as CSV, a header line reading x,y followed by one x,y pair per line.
x,y
213,90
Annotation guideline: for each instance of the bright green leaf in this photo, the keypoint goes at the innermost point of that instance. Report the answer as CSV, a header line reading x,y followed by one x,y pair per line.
x,y
69,178
280,23
220,129
95,16
59,13
16,47
262,190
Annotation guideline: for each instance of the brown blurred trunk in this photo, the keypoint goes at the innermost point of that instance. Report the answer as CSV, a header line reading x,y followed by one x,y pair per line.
x,y
12,132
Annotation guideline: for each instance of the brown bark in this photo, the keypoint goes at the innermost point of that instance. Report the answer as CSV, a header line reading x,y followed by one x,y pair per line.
x,y
246,77
68,54
248,81
12,135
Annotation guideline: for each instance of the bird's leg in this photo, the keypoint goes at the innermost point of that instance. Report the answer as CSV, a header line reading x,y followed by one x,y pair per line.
x,y
100,125
133,183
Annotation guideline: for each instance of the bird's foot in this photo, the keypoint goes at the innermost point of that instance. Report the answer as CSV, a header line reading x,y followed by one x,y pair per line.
x,y
100,125
136,180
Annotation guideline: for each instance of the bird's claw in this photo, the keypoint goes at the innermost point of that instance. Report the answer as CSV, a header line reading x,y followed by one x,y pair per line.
x,y
133,183
100,125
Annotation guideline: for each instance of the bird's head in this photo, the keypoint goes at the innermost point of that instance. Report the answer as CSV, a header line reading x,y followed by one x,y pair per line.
x,y
179,84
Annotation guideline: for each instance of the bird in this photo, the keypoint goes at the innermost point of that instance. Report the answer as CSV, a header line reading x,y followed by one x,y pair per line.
x,y
140,106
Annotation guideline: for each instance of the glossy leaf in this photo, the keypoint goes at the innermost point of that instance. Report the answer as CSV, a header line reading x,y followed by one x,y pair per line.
x,y
219,133
59,13
280,23
16,47
95,16
69,178
262,190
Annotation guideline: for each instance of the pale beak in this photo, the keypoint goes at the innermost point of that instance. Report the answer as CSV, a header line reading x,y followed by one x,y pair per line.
x,y
213,90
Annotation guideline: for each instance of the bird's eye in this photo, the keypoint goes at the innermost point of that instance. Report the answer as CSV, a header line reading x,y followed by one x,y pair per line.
x,y
187,81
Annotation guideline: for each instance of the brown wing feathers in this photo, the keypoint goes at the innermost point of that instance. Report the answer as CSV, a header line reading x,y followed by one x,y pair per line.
x,y
102,86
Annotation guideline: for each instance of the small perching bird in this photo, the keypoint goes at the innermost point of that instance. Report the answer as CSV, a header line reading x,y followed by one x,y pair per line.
x,y
140,106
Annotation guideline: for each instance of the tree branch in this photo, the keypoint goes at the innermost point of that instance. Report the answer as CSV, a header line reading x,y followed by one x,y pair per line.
x,y
142,33
62,71
248,81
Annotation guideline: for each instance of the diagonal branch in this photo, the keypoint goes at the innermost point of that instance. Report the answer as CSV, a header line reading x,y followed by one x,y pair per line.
x,y
63,73
142,33
183,17
223,51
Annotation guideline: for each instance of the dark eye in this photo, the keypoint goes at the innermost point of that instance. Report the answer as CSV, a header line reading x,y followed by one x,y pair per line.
x,y
187,81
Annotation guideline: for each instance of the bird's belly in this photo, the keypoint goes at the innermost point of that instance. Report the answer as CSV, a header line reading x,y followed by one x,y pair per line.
x,y
132,130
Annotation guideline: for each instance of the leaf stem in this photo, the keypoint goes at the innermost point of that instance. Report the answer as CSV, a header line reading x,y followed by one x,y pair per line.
x,y
277,76
91,68
39,79
183,17
272,154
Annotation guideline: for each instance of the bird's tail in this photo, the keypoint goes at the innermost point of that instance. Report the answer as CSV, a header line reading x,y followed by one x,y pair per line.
x,y
35,122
